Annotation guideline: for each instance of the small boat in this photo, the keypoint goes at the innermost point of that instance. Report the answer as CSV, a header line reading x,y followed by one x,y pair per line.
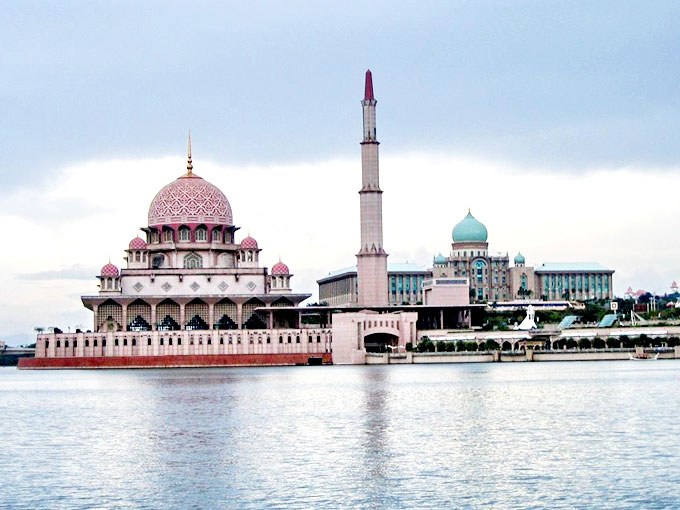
x,y
643,357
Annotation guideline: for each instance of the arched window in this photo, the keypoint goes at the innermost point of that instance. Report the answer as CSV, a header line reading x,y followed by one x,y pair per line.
x,y
480,265
217,235
184,234
201,234
167,235
193,261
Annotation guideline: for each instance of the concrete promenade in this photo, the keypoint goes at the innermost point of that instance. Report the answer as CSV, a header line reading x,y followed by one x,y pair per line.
x,y
516,356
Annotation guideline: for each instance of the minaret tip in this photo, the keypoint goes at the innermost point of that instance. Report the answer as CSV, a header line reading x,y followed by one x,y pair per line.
x,y
190,167
368,90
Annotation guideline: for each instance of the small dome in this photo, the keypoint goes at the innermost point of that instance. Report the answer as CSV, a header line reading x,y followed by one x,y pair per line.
x,y
249,244
138,244
109,271
280,268
470,230
440,259
519,259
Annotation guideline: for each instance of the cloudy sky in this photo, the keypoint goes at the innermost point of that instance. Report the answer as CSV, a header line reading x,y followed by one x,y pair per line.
x,y
555,121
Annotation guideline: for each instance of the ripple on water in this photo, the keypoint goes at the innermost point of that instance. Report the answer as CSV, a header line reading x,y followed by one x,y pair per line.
x,y
544,435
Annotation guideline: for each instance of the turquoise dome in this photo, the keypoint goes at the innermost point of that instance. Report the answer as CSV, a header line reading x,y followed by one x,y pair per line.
x,y
470,230
440,259
519,259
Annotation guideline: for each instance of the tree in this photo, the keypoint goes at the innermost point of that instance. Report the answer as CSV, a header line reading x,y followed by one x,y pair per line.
x,y
598,343
492,345
613,343
584,343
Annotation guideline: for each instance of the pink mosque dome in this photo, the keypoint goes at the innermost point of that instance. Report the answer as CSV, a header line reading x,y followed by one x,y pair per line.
x,y
137,244
109,271
249,244
280,268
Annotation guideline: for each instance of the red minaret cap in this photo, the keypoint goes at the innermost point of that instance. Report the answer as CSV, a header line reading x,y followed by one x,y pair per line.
x,y
368,93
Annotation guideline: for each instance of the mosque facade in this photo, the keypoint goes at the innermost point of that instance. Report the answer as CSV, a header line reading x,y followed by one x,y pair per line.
x,y
190,294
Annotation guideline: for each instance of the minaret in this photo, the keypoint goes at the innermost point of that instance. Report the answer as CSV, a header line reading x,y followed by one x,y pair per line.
x,y
371,259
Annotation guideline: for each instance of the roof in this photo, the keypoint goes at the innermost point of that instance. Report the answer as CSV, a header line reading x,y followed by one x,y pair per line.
x,y
397,267
607,321
567,322
576,267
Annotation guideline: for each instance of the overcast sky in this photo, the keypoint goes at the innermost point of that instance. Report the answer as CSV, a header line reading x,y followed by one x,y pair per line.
x,y
556,122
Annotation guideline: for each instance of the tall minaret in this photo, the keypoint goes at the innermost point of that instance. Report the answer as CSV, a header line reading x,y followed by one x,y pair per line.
x,y
371,259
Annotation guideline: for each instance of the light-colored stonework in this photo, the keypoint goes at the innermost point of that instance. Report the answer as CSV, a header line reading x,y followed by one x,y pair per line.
x,y
371,259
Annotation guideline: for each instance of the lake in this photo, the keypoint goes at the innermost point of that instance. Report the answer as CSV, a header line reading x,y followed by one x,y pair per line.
x,y
510,435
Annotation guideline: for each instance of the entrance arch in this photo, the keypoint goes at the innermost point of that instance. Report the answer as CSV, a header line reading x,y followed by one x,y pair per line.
x,y
379,342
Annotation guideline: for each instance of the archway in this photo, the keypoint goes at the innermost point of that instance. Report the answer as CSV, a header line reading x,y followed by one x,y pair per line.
x,y
379,342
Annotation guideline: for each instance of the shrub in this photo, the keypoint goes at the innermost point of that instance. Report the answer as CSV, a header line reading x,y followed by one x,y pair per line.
x,y
492,345
441,346
673,341
613,343
571,344
450,346
598,343
460,346
643,341
584,343
470,346
409,347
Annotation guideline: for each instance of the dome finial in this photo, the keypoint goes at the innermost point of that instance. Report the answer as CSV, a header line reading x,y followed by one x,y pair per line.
x,y
190,167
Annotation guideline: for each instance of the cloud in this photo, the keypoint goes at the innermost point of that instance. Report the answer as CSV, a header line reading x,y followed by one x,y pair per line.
x,y
67,273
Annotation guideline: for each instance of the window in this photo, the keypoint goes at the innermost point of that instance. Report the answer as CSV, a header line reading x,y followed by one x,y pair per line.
x,y
87,343
217,236
148,341
179,341
201,235
124,341
318,339
160,342
103,342
75,343
167,236
280,340
134,342
47,344
169,341
184,234
193,261
58,343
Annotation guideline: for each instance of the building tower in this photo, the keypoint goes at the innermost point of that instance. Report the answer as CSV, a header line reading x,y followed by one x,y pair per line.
x,y
371,259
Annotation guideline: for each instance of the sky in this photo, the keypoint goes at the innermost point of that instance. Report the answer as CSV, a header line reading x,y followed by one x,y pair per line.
x,y
556,122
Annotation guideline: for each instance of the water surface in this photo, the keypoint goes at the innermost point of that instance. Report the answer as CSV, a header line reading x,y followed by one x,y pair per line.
x,y
512,435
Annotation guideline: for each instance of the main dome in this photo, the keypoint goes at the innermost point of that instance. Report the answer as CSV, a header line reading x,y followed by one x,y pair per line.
x,y
470,230
190,199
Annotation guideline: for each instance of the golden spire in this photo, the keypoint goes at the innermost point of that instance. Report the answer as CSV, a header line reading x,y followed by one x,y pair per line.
x,y
190,167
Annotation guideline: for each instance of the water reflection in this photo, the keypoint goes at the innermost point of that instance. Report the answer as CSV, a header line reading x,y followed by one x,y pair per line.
x,y
559,435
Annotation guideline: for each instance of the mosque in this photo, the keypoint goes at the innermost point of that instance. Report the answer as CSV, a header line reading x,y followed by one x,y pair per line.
x,y
193,294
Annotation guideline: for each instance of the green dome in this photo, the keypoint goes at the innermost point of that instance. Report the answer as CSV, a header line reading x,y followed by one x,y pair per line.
x,y
440,259
519,259
470,230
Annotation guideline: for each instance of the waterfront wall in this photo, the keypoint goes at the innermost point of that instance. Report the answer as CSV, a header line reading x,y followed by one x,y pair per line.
x,y
184,343
512,357
178,361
